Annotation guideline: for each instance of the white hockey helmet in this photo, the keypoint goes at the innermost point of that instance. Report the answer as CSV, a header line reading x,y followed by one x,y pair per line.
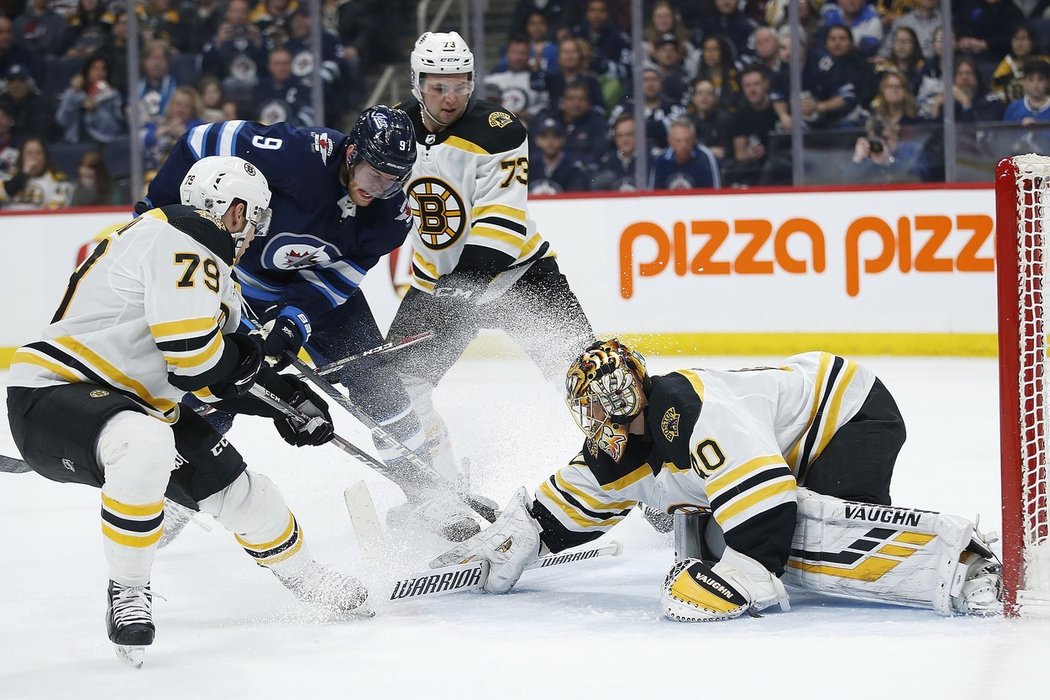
x,y
439,53
213,183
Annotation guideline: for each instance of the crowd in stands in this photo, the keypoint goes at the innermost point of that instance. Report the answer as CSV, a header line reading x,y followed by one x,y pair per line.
x,y
715,84
65,101
716,87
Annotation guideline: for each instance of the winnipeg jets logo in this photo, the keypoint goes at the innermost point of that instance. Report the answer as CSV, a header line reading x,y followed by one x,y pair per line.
x,y
289,251
323,145
294,259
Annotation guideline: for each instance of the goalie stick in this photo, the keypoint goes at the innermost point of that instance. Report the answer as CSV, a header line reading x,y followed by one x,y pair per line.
x,y
473,575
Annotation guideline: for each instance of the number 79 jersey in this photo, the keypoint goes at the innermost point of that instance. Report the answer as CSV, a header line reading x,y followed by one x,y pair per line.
x,y
146,309
469,187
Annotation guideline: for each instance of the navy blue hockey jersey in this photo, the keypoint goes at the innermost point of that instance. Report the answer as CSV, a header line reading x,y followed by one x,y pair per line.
x,y
319,245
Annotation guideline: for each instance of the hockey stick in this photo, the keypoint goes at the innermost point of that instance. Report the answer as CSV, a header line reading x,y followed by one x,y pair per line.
x,y
473,575
13,465
390,346
384,439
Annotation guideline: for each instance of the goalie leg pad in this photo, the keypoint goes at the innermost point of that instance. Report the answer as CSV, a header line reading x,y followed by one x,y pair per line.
x,y
889,555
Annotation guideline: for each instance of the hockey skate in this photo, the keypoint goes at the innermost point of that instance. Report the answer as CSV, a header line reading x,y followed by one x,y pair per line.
x,y
982,588
129,621
324,587
435,511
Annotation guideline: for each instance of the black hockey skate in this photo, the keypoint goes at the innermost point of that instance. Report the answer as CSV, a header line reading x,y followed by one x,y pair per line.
x,y
129,621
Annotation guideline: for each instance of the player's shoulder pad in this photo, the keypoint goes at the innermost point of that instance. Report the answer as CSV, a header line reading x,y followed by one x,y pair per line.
x,y
675,402
200,225
490,127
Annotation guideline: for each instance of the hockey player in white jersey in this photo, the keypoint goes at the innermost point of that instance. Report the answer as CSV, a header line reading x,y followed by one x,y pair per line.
x,y
790,465
149,316
477,259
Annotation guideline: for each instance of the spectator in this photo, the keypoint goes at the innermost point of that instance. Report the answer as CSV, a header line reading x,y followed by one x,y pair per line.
x,y
90,109
573,62
664,19
834,81
93,187
1008,76
115,50
608,42
34,184
31,111
667,56
182,113
881,155
905,56
968,92
894,104
728,22
521,90
280,96
809,17
984,27
560,14
214,105
85,32
201,19
12,52
157,84
585,126
552,169
615,170
1034,106
367,30
8,145
766,53
40,28
711,122
685,165
236,53
158,21
753,123
860,19
659,111
924,20
543,53
716,65
341,84
273,18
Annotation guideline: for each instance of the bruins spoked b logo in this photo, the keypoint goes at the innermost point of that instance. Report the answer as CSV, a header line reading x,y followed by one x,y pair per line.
x,y
438,211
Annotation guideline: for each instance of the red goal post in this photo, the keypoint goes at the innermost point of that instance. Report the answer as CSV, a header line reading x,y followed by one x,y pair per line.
x,y
1022,202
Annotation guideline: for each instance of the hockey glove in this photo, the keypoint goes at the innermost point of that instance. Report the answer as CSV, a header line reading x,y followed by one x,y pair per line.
x,y
141,207
698,592
318,429
510,544
290,330
250,355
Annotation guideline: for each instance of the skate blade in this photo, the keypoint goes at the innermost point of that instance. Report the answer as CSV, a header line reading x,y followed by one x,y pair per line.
x,y
133,656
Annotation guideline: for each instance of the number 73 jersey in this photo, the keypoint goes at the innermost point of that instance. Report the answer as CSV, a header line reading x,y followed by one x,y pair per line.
x,y
146,308
469,187
736,442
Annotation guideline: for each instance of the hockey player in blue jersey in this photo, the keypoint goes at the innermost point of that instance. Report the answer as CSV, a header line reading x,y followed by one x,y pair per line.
x,y
338,207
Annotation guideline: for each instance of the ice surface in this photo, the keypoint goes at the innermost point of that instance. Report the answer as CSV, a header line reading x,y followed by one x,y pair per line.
x,y
228,629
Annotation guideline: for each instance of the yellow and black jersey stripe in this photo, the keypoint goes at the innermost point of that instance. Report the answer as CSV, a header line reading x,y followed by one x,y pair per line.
x,y
70,360
834,376
191,347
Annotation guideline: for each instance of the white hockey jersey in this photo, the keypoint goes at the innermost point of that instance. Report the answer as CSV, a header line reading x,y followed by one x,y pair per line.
x,y
146,309
470,187
736,442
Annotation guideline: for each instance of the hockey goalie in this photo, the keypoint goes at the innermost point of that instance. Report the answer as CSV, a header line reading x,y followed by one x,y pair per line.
x,y
777,475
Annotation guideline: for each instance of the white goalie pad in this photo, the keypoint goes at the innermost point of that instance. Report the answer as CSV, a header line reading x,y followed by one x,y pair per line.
x,y
884,554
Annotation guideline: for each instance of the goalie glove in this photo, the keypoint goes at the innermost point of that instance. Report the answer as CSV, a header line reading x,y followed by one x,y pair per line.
x,y
695,591
510,544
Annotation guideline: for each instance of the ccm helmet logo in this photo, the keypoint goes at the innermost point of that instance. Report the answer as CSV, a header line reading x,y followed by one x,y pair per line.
x,y
448,60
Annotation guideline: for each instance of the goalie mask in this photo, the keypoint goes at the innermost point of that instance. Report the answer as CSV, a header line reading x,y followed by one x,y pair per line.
x,y
216,182
605,389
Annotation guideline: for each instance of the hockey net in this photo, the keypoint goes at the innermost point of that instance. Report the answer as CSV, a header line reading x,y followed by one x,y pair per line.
x,y
1022,188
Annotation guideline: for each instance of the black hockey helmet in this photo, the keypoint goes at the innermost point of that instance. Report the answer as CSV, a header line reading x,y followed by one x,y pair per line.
x,y
384,138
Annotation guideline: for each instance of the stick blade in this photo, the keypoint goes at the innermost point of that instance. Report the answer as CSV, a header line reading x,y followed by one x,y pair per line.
x,y
365,521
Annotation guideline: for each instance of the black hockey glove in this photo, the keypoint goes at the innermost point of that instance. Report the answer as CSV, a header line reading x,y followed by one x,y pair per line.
x,y
250,355
316,431
286,336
